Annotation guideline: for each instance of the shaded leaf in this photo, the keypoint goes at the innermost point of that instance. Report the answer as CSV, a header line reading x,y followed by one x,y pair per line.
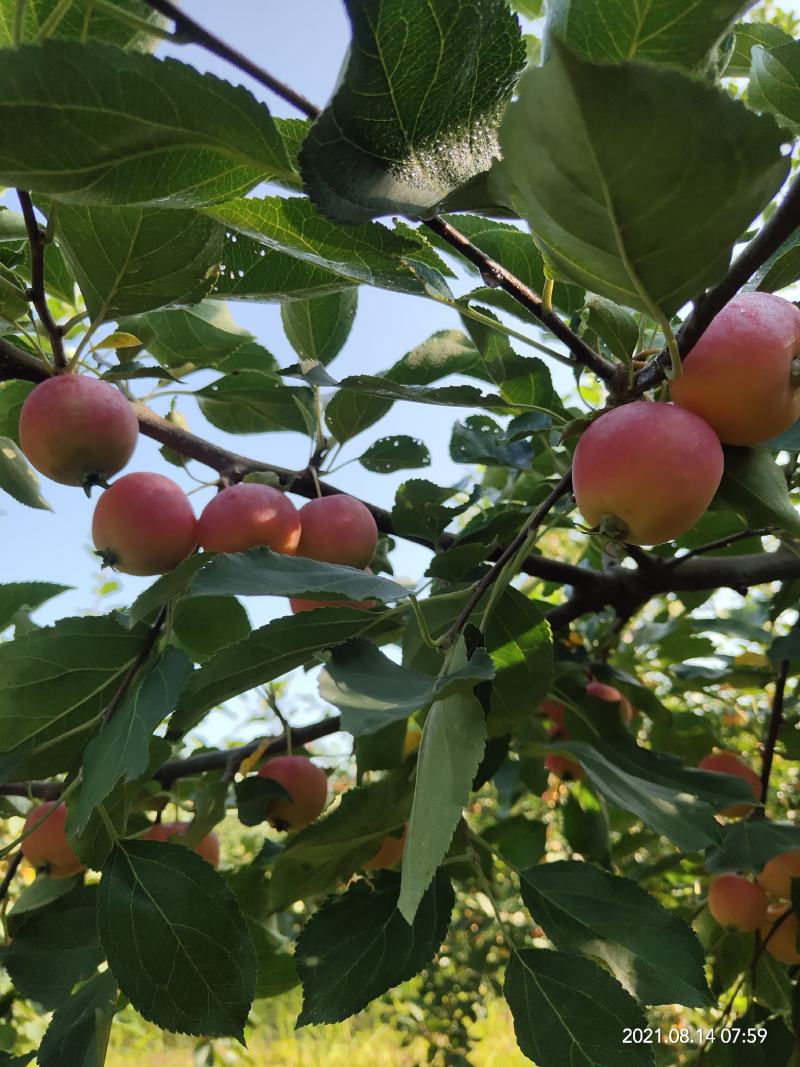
x,y
754,487
17,477
80,1025
318,329
14,596
397,453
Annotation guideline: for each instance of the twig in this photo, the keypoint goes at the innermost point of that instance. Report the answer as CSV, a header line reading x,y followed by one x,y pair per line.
x,y
509,283
773,729
531,526
722,542
189,31
37,293
11,870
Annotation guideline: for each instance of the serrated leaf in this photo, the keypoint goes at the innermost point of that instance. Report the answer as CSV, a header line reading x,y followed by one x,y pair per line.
x,y
415,112
66,929
397,453
616,328
419,508
79,1026
754,487
337,845
57,682
214,141
567,1010
669,32
371,691
675,801
14,596
13,395
131,260
748,844
370,253
175,939
653,954
121,750
453,740
266,654
748,34
775,81
479,439
205,626
362,934
18,478
690,192
318,329
80,20
253,402
202,336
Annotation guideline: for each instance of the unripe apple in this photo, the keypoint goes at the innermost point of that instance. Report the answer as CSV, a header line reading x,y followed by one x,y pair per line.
x,y
737,903
782,944
77,430
144,524
307,786
601,691
729,763
740,377
207,847
47,846
389,854
778,873
338,529
246,515
646,472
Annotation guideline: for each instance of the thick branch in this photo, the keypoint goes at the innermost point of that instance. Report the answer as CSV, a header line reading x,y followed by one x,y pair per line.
x,y
37,293
781,225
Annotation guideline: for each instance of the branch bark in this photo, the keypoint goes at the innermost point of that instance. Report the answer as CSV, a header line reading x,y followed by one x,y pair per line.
x,y
773,729
37,293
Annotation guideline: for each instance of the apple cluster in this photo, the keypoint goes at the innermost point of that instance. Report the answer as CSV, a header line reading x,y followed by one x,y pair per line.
x,y
646,471
82,431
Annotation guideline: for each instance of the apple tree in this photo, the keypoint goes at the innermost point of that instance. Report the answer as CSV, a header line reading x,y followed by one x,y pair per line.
x,y
583,713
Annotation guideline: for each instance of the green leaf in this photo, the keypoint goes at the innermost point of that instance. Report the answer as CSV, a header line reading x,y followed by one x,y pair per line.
x,y
80,1025
252,402
419,509
363,935
453,741
80,20
41,892
747,35
56,683
390,454
349,414
567,1010
754,486
520,643
203,336
684,173
747,845
266,654
479,439
65,930
372,691
18,478
616,328
415,112
337,845
653,954
131,260
121,750
317,329
16,596
519,840
675,801
13,395
175,940
214,141
370,253
254,796
669,32
775,81
205,626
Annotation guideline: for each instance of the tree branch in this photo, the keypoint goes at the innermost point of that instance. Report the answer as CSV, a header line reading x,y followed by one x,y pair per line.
x,y
12,868
775,720
37,293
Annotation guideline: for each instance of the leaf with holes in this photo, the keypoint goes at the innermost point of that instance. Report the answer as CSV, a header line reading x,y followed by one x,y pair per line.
x,y
398,453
